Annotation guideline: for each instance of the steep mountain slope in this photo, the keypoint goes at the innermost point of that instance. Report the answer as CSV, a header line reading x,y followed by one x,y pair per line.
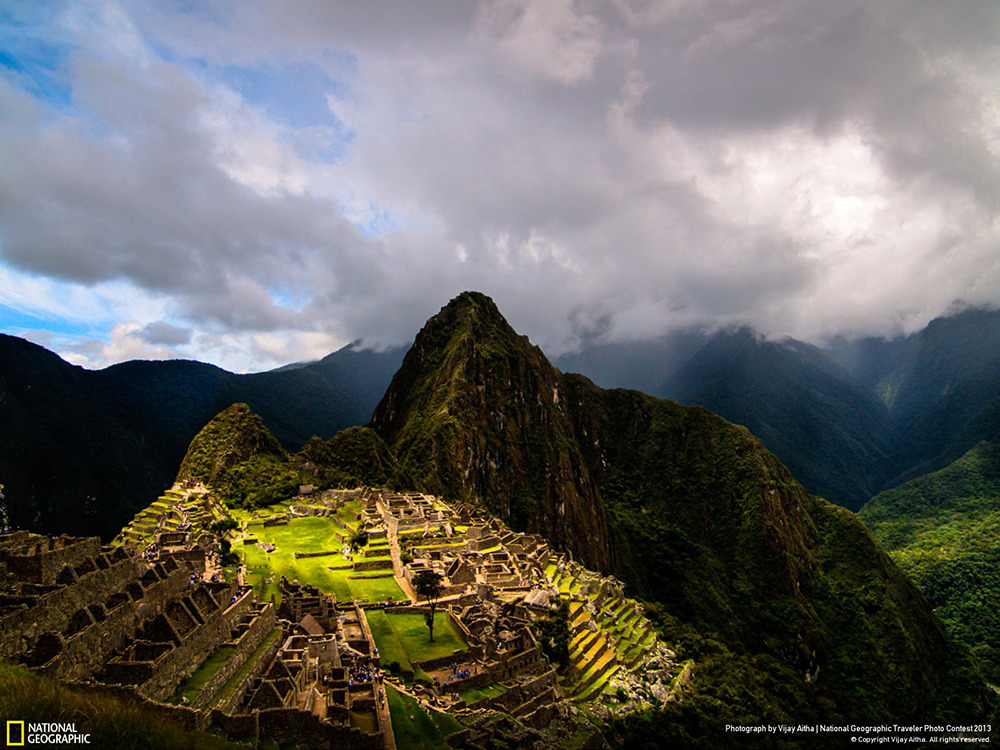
x,y
948,393
356,457
65,461
709,524
240,458
943,529
693,513
83,450
828,430
851,419
476,411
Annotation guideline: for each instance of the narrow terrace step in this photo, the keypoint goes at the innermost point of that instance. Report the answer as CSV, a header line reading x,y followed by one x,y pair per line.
x,y
599,686
596,653
592,675
582,646
581,617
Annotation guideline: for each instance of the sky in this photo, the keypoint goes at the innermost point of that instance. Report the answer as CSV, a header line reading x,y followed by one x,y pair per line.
x,y
255,183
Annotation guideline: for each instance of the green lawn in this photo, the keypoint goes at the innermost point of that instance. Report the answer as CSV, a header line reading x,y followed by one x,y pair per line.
x,y
404,638
237,678
389,648
311,534
417,729
191,686
376,589
413,636
476,694
258,570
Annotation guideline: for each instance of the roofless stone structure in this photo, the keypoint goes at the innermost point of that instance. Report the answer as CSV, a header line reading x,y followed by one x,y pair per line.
x,y
151,617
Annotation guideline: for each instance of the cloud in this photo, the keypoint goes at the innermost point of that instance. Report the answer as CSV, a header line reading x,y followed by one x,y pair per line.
x,y
160,332
127,341
603,169
555,39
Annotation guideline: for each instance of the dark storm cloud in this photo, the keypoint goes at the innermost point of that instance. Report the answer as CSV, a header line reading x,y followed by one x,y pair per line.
x,y
160,332
601,168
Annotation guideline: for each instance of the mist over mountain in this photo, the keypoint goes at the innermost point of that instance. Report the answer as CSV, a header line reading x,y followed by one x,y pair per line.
x,y
850,419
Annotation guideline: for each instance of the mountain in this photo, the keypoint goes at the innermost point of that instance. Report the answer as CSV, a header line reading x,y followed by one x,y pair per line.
x,y
639,365
828,429
476,411
850,419
790,610
943,529
945,397
749,572
83,450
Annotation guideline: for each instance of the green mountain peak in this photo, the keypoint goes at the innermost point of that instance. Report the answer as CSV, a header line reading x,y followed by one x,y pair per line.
x,y
477,412
690,511
232,437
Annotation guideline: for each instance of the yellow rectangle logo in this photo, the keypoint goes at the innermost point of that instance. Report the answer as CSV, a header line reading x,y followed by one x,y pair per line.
x,y
10,740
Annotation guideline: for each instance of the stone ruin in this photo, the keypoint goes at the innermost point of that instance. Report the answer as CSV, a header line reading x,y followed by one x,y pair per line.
x,y
105,618
140,618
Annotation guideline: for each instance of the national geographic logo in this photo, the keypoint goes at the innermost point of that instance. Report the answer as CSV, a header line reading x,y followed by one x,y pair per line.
x,y
15,733
20,734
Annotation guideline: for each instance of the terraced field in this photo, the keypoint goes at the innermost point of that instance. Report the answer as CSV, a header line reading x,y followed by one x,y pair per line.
x,y
416,728
608,632
164,515
330,573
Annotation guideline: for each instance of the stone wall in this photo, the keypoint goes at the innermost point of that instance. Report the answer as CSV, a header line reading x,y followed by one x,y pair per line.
x,y
288,725
247,643
119,605
172,667
52,611
366,565
231,704
39,559
324,553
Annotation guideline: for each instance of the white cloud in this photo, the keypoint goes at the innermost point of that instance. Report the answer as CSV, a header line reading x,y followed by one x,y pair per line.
x,y
555,39
601,168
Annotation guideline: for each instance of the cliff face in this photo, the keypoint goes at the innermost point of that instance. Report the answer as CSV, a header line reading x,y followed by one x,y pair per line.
x,y
689,496
477,412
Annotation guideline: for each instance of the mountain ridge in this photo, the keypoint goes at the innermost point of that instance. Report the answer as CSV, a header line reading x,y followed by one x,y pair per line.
x,y
851,418
84,450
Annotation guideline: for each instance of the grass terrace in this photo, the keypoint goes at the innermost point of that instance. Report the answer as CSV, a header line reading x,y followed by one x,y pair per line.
x,y
417,729
404,637
233,683
191,686
473,695
330,573
390,648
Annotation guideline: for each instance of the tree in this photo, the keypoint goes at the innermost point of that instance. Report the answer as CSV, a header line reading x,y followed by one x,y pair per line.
x,y
554,634
358,540
428,585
